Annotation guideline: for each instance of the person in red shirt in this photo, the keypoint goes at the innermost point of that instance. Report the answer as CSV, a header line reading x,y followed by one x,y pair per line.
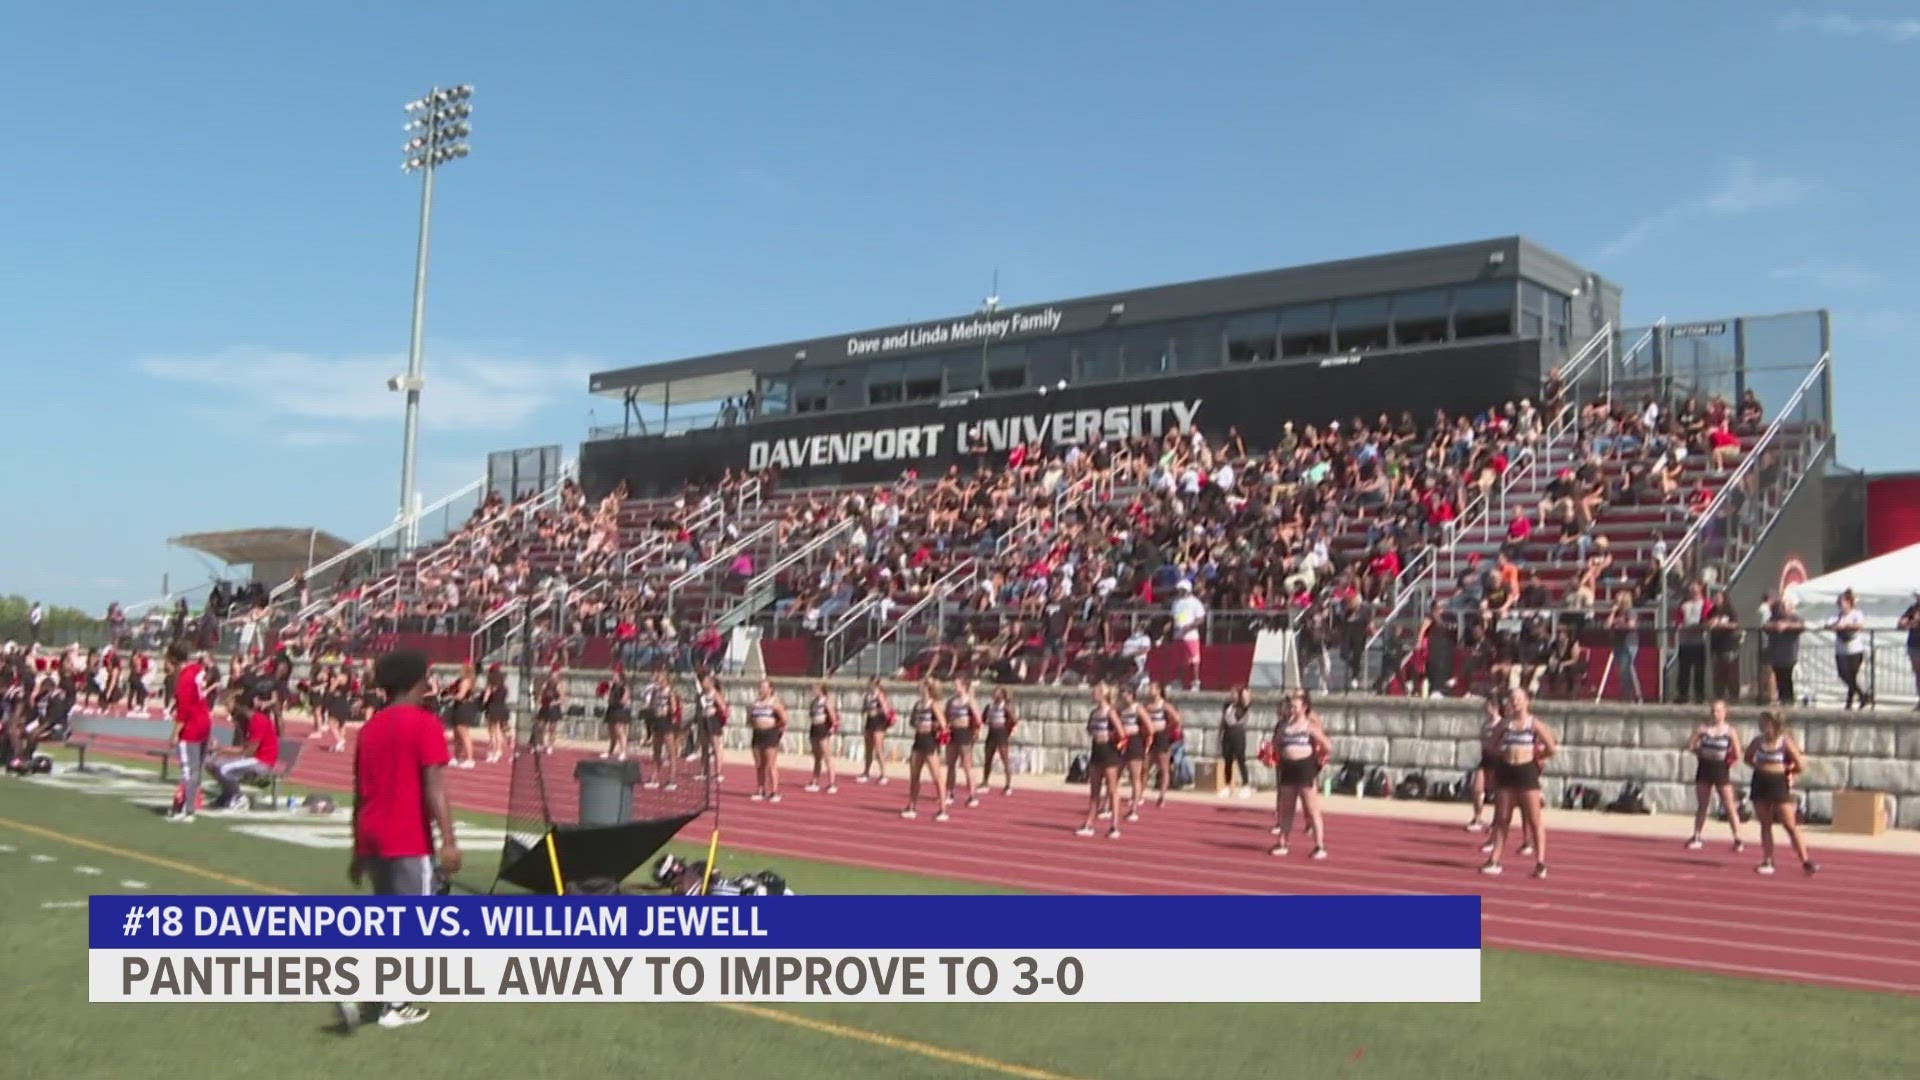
x,y
192,728
256,742
399,799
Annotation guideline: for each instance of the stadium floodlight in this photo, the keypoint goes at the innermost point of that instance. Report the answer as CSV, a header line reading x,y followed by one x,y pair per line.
x,y
438,130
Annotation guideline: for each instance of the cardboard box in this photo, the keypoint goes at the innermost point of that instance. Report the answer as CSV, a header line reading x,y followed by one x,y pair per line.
x,y
1863,813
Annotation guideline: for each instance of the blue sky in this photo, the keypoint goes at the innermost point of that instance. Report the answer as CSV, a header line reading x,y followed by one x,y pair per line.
x,y
208,241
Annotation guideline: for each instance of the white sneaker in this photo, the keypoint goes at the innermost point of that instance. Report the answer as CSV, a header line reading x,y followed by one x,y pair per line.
x,y
941,816
757,797
883,781
1133,815
1246,792
673,787
1526,851
1225,793
973,800
350,1014
833,789
1320,853
1764,868
813,787
1278,850
1491,869
402,1016
1486,848
859,779
1475,826
1695,844
775,797
909,814
1084,830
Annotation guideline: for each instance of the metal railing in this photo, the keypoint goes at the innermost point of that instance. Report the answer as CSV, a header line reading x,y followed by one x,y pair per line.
x,y
720,558
761,587
963,573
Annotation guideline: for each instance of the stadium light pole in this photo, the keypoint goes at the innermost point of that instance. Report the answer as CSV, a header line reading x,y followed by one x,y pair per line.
x,y
438,125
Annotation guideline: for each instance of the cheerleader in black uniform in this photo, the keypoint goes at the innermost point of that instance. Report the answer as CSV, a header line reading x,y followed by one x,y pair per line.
x,y
1139,741
711,716
618,714
1107,733
1481,782
1716,747
661,705
823,720
1521,747
877,717
928,725
1301,748
463,711
1163,727
1776,758
1233,742
1001,718
963,722
766,722
339,709
551,704
499,715
371,699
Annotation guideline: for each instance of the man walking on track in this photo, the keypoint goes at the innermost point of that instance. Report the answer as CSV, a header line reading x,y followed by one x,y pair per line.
x,y
399,798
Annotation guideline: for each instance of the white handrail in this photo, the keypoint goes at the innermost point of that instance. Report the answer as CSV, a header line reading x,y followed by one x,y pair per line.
x,y
1747,464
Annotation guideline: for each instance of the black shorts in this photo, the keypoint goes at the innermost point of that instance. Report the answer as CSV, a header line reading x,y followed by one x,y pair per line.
x,y
765,738
1105,756
1136,749
927,743
1489,764
1299,772
997,738
1511,777
1771,788
875,724
715,725
819,732
548,714
1710,772
960,738
655,725
1162,743
619,717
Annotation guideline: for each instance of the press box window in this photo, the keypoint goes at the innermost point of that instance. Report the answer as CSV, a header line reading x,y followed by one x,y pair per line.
x,y
1253,339
1420,318
1483,310
1361,324
1306,330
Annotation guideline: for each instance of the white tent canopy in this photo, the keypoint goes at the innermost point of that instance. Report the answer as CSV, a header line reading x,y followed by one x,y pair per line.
x,y
1885,587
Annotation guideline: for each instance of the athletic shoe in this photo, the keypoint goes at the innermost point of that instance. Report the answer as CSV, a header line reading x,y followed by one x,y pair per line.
x,y
883,781
1084,830
941,816
1006,791
1739,846
909,814
1811,868
1526,850
1133,815
859,779
775,797
1225,793
1540,871
1275,831
973,800
402,1016
1320,853
1113,834
1106,815
833,789
1764,868
756,797
1486,848
1695,844
813,787
1277,850
180,819
350,1014
1491,869
651,785
1246,791
1474,825
673,787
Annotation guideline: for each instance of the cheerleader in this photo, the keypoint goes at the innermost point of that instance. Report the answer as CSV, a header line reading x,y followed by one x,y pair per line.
x,y
963,721
1139,739
499,715
928,725
1163,728
1481,780
1001,718
1300,749
1775,758
666,720
551,705
1107,732
711,716
823,720
1521,746
877,717
337,705
1233,742
463,709
617,714
1715,745
766,723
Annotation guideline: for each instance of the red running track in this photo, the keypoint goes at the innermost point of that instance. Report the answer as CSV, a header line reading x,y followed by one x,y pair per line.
x,y
1617,898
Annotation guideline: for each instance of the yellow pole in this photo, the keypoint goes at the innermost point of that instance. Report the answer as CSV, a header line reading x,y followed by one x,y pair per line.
x,y
553,859
713,852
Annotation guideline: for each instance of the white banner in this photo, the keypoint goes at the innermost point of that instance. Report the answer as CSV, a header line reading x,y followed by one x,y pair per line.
x,y
1107,975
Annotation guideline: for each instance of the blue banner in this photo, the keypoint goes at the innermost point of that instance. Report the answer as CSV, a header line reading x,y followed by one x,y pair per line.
x,y
791,922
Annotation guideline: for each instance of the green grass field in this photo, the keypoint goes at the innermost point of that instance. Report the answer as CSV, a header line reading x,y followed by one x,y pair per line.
x,y
1541,1017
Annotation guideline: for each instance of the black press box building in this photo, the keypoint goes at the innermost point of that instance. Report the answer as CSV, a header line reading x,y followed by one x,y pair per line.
x,y
1462,328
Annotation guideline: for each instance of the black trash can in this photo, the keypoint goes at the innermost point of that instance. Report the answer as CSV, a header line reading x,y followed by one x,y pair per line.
x,y
606,790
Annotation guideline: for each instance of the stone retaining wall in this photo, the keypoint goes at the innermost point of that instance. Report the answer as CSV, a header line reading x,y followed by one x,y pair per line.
x,y
1602,745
